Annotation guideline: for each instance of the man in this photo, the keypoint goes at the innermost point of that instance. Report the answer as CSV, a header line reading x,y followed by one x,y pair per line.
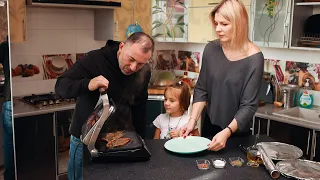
x,y
121,69
7,132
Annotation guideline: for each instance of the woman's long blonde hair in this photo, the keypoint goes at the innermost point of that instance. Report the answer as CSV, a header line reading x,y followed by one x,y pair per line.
x,y
235,12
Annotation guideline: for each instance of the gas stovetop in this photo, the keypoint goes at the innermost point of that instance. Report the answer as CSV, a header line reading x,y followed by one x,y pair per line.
x,y
41,101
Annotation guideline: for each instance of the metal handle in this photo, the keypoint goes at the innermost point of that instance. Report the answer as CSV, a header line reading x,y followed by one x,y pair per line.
x,y
24,28
285,35
308,142
213,3
54,125
315,145
116,36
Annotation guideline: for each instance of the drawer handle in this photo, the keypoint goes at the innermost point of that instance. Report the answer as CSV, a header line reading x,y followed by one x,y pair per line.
x,y
213,3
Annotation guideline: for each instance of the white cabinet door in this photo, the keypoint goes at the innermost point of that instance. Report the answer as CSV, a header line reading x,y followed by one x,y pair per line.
x,y
200,28
270,23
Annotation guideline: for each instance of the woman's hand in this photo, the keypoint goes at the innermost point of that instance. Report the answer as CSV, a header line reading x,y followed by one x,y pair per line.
x,y
186,129
174,133
219,140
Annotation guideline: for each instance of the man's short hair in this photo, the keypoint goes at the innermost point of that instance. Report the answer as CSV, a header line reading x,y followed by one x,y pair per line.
x,y
142,38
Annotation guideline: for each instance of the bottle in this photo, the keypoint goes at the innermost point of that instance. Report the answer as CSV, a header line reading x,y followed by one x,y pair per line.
x,y
306,97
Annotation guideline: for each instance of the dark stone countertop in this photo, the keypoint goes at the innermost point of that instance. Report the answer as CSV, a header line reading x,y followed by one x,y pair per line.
x,y
164,165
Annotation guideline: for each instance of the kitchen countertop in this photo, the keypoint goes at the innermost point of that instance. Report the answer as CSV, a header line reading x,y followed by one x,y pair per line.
x,y
159,91
164,165
21,109
267,111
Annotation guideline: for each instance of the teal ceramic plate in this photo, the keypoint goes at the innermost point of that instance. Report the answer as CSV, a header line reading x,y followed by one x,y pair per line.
x,y
189,145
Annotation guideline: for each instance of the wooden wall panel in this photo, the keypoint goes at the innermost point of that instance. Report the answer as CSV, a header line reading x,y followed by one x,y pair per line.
x,y
3,23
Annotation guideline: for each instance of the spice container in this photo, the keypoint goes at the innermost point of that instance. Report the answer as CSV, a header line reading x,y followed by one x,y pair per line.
x,y
236,161
203,164
219,163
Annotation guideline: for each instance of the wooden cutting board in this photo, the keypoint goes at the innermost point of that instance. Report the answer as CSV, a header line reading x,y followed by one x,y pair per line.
x,y
153,91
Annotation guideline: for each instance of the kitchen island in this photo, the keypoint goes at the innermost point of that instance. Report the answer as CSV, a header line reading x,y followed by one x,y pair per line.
x,y
164,165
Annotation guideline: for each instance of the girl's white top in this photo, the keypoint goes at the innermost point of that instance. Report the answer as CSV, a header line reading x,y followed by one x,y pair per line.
x,y
162,122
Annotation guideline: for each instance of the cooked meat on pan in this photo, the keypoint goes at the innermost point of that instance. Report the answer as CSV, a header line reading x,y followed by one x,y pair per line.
x,y
113,136
118,142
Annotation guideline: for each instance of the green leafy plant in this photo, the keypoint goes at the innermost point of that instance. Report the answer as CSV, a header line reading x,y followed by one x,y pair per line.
x,y
168,28
271,5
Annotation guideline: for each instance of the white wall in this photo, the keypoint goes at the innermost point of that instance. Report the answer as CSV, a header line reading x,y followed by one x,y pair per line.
x,y
51,31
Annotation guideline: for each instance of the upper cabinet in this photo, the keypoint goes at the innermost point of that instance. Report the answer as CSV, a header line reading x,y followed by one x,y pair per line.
x,y
17,18
200,29
170,20
305,31
132,12
3,22
270,23
123,17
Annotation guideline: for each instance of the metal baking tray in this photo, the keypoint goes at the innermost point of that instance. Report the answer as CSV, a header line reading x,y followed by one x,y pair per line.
x,y
281,151
299,169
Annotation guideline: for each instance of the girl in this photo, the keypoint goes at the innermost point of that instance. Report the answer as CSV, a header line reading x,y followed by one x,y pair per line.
x,y
176,103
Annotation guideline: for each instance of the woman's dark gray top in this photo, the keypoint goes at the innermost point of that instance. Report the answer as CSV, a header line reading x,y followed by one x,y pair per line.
x,y
230,88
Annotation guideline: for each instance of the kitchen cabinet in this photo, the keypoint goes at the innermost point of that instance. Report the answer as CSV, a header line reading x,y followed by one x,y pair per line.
x,y
170,20
317,146
154,108
3,23
17,17
199,3
34,139
200,29
301,38
131,11
270,23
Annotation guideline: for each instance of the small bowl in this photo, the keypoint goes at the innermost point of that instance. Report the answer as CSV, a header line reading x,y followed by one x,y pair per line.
x,y
216,164
203,164
236,161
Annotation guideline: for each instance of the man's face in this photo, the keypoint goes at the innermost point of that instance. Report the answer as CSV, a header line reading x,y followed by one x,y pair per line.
x,y
132,58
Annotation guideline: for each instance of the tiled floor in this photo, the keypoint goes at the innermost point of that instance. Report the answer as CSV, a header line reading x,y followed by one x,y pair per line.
x,y
63,162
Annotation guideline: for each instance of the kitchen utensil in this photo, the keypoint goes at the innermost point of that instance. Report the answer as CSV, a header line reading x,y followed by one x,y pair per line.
x,y
218,163
236,161
299,169
289,94
203,164
253,156
281,151
273,171
279,73
188,145
92,127
134,150
164,78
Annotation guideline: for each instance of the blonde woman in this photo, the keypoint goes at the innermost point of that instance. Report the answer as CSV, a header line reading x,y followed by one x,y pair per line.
x,y
230,78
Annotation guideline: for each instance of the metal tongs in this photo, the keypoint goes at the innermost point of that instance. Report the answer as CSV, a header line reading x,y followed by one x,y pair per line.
x,y
91,137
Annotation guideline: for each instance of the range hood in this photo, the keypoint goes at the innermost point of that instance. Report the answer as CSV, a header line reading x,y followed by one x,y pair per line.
x,y
85,4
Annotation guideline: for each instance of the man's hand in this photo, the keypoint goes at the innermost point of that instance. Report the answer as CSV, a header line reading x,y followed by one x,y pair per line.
x,y
174,133
186,129
98,82
219,140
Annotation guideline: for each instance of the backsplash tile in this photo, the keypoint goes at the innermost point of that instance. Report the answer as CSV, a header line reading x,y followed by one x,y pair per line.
x,y
51,31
